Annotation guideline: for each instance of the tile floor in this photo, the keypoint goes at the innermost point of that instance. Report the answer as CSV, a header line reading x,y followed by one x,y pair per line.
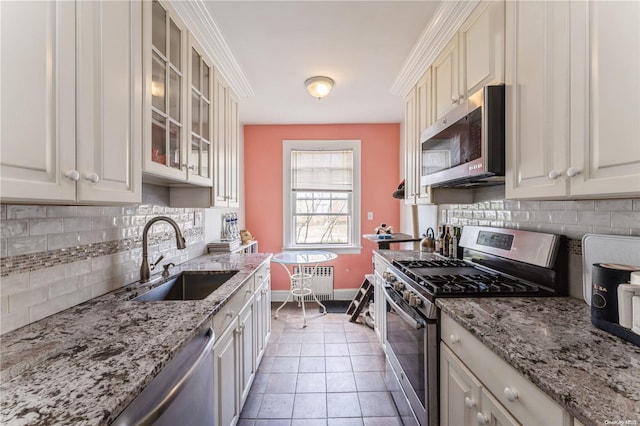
x,y
330,373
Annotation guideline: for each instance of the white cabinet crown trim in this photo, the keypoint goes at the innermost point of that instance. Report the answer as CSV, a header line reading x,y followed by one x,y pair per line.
x,y
200,22
443,26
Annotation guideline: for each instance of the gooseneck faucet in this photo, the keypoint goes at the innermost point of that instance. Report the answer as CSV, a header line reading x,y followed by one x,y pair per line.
x,y
145,272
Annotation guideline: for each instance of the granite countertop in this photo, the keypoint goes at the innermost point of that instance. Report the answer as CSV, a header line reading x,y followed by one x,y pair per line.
x,y
592,374
86,364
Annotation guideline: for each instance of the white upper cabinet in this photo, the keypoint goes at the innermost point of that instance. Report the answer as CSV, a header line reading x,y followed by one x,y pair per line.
x,y
605,89
481,48
423,119
537,98
200,153
165,72
411,180
446,95
109,84
572,89
227,144
70,85
472,59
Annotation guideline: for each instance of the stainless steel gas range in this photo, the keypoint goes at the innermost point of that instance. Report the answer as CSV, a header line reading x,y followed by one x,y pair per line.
x,y
496,263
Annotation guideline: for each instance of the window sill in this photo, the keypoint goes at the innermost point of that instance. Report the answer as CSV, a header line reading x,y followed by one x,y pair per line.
x,y
337,250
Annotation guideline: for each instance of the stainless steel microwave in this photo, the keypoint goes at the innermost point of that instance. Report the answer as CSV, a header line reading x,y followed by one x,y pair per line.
x,y
465,148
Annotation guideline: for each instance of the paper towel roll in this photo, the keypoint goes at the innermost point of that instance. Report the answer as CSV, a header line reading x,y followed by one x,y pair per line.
x,y
626,292
635,277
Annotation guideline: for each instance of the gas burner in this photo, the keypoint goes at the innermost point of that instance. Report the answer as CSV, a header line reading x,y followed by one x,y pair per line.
x,y
434,263
479,283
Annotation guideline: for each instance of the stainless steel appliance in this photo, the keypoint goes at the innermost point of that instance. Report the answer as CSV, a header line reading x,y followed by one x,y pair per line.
x,y
465,148
182,393
496,263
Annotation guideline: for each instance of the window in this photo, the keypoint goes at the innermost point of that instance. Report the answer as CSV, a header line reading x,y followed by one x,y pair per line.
x,y
322,195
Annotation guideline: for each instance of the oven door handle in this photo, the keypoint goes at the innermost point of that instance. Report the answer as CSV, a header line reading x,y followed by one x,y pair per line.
x,y
417,324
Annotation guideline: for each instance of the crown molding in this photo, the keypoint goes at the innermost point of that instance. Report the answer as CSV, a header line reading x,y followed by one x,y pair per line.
x,y
439,31
202,26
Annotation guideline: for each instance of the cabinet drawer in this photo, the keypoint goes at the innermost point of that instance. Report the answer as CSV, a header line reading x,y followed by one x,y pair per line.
x,y
230,310
528,404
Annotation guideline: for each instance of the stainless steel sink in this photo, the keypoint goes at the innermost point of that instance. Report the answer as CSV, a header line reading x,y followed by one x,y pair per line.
x,y
187,286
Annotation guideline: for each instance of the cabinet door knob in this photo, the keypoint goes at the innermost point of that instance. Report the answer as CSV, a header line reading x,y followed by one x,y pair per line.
x,y
93,178
554,174
572,171
510,394
72,175
454,339
454,100
482,419
469,402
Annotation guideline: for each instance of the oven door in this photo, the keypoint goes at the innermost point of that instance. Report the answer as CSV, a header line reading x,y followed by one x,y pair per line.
x,y
411,343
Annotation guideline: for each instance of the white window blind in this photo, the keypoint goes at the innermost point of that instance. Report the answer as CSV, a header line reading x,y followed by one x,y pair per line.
x,y
322,170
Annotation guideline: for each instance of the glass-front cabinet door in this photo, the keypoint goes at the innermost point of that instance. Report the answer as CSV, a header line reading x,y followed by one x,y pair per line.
x,y
165,72
201,86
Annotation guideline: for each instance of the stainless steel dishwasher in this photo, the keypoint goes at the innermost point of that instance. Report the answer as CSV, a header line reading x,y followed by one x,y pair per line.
x,y
181,394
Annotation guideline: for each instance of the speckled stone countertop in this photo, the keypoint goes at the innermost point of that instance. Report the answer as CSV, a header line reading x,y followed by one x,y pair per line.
x,y
592,374
86,364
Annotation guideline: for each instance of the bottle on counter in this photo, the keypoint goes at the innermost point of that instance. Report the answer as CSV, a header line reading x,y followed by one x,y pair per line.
x,y
437,247
460,254
453,250
447,243
441,239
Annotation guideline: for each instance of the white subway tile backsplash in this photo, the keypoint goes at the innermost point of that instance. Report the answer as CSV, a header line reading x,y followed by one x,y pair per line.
x,y
26,245
609,230
45,226
26,212
614,204
42,277
594,218
62,211
530,205
13,320
64,240
14,284
77,224
541,216
80,252
567,217
520,216
30,297
552,205
14,228
63,286
636,205
580,205
630,219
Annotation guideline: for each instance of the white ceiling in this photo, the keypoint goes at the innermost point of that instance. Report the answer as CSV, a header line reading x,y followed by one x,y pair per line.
x,y
361,45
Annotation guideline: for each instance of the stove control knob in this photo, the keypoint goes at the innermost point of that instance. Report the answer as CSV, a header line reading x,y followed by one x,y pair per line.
x,y
406,295
418,302
391,278
412,300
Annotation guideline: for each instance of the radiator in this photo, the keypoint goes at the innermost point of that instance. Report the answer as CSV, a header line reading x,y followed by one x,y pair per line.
x,y
322,281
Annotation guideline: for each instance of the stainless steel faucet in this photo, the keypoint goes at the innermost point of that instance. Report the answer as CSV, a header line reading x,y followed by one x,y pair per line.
x,y
145,272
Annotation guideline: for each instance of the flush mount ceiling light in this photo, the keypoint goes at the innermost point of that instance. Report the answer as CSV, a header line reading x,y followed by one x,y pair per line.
x,y
319,86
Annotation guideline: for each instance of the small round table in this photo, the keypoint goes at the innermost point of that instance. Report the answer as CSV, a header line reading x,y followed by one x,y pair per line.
x,y
301,279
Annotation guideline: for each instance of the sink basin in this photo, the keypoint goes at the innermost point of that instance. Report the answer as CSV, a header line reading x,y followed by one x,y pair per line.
x,y
187,286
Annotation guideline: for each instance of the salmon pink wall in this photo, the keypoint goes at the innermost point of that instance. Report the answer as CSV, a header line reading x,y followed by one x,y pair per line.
x,y
380,148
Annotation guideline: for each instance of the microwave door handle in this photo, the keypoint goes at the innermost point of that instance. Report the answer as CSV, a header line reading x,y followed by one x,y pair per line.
x,y
402,314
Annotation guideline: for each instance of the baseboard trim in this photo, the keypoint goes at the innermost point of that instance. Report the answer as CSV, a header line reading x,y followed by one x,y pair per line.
x,y
341,294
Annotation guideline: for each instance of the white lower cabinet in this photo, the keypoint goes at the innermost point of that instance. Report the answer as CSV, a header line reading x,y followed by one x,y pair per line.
x,y
225,374
477,387
242,328
262,303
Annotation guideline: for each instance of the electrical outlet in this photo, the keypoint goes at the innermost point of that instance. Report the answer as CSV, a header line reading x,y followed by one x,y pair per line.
x,y
370,216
